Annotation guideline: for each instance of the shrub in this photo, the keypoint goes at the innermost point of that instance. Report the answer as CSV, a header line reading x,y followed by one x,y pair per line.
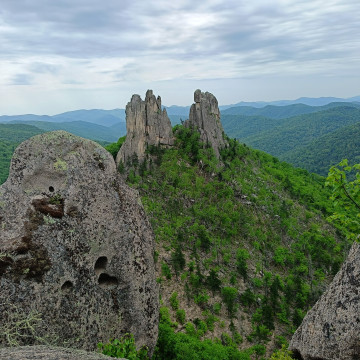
x,y
125,347
165,270
229,295
180,316
174,301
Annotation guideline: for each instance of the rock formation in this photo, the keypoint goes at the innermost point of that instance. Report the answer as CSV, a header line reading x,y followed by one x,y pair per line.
x,y
331,329
41,352
205,116
146,124
76,248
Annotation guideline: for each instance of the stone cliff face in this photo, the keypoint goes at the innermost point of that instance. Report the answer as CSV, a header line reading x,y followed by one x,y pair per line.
x,y
146,124
331,329
76,248
205,116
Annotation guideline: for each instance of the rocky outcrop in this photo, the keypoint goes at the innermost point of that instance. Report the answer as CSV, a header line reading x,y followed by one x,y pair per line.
x,y
205,116
76,249
331,329
146,124
48,353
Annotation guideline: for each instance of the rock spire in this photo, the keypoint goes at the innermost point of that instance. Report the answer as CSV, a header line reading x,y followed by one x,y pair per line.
x,y
331,329
205,116
76,248
146,124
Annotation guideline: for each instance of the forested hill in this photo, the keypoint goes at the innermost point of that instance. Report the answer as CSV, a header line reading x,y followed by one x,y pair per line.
x,y
288,138
243,249
10,137
328,150
301,130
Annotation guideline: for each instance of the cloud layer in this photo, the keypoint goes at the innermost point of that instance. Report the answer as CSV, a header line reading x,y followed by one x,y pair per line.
x,y
75,51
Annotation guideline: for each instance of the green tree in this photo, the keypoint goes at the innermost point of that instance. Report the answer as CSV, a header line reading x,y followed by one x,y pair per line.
x,y
242,256
229,295
346,198
178,259
212,281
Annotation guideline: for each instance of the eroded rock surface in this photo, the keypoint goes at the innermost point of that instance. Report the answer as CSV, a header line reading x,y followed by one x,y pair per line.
x,y
48,353
76,248
331,329
205,116
146,124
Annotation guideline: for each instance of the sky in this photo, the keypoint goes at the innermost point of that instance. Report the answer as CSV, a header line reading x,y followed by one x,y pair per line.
x,y
63,55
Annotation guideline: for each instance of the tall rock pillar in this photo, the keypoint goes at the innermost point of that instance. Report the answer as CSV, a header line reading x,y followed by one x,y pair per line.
x,y
146,124
205,116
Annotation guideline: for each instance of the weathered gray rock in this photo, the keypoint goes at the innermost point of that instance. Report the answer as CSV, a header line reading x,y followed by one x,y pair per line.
x,y
76,248
205,116
331,329
41,352
146,124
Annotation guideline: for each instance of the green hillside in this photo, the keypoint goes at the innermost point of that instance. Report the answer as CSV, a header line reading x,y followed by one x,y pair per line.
x,y
242,248
328,150
11,135
16,133
298,131
243,126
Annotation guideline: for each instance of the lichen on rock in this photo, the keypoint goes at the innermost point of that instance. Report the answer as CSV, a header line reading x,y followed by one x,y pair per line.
x,y
75,246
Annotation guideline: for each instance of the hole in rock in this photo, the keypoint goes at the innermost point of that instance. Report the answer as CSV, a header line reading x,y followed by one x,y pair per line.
x,y
67,286
100,264
297,355
51,189
106,281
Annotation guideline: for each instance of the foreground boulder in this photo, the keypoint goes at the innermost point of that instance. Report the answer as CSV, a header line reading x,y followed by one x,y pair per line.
x,y
331,329
48,353
147,124
76,249
205,117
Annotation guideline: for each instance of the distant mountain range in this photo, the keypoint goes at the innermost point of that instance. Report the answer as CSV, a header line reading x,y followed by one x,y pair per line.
x,y
96,116
101,125
307,132
303,100
176,113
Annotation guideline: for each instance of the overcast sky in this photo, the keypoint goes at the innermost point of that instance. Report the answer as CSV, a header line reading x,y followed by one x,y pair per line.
x,y
60,55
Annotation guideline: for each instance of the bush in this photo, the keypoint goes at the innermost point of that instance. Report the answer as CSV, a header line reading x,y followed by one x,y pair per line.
x,y
282,354
165,271
229,295
125,347
174,301
180,316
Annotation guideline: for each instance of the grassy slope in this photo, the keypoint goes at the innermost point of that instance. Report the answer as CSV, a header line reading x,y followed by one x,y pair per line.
x,y
243,249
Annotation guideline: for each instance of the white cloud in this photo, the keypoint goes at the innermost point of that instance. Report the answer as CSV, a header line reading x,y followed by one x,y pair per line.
x,y
122,46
